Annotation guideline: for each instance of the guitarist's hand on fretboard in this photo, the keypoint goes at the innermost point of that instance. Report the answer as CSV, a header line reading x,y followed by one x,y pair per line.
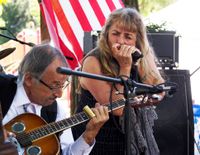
x,y
96,122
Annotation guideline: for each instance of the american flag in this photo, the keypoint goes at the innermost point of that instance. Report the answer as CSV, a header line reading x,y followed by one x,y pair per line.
x,y
67,20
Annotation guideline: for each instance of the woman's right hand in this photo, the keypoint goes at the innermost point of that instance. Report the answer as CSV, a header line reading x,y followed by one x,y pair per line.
x,y
122,53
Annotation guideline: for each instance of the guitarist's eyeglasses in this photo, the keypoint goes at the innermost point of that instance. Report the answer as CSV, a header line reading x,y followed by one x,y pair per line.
x,y
54,88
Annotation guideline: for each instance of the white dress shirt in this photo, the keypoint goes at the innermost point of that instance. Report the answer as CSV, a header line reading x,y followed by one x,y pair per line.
x,y
69,147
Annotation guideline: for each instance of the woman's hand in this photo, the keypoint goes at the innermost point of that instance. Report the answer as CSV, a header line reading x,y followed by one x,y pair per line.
x,y
123,54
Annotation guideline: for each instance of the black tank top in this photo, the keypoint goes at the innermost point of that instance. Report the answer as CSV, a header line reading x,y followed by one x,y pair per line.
x,y
110,139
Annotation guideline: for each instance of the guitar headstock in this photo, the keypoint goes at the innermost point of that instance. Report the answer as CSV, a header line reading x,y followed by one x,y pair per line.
x,y
143,101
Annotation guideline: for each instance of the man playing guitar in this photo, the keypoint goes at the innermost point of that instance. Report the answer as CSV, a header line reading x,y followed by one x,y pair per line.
x,y
35,91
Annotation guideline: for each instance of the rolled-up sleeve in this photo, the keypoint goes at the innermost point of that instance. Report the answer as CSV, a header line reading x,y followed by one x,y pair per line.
x,y
78,147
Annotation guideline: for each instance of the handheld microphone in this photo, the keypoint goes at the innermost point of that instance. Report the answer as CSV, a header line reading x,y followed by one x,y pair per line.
x,y
136,56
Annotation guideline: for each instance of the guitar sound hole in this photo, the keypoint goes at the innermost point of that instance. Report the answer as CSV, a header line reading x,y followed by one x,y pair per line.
x,y
33,150
18,127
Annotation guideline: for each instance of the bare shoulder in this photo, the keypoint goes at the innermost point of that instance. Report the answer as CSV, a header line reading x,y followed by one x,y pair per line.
x,y
91,64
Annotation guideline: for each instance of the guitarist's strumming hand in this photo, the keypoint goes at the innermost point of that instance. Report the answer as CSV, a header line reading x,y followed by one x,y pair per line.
x,y
95,124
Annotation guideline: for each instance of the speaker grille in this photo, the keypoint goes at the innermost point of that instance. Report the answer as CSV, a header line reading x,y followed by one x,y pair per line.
x,y
174,128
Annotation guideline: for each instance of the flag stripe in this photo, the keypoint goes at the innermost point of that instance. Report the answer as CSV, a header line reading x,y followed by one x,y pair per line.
x,y
98,11
63,36
66,46
65,41
72,20
59,43
80,15
104,7
50,21
118,3
77,56
110,5
90,13
48,7
67,28
73,63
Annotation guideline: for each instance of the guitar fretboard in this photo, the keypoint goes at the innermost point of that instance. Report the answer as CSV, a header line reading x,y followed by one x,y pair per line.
x,y
54,127
116,105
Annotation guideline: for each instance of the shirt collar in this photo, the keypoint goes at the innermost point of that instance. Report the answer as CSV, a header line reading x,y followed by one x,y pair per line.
x,y
21,98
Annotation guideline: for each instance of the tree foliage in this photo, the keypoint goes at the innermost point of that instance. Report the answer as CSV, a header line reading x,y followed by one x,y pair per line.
x,y
148,6
15,16
34,11
3,2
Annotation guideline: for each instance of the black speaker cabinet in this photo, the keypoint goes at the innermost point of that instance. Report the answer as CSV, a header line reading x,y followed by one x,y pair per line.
x,y
166,46
90,40
174,129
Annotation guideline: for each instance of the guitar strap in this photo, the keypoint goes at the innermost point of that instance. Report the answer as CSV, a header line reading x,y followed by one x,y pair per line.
x,y
134,73
49,113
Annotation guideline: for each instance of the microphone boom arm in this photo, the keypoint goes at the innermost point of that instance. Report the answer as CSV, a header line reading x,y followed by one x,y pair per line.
x,y
67,71
134,87
15,39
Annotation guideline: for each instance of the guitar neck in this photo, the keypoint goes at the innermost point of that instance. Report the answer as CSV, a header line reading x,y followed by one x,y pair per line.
x,y
76,119
58,126
116,105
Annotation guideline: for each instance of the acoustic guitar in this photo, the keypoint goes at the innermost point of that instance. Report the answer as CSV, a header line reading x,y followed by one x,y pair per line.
x,y
35,137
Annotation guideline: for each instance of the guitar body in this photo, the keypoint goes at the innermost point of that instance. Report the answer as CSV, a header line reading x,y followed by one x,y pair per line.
x,y
49,145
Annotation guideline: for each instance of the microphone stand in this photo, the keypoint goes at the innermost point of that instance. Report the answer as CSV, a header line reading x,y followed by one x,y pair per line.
x,y
15,39
127,112
127,107
129,91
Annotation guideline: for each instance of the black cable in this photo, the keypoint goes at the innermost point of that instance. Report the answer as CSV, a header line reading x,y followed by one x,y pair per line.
x,y
195,71
111,108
